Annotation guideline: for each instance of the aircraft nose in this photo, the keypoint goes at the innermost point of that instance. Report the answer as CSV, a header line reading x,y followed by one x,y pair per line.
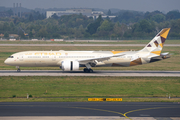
x,y
7,62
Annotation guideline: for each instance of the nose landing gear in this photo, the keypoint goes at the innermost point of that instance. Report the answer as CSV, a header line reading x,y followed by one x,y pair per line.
x,y
18,69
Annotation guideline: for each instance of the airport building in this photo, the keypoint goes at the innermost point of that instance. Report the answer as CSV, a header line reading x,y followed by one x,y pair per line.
x,y
87,12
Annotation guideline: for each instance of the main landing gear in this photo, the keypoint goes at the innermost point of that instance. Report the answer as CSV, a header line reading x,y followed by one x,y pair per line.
x,y
88,70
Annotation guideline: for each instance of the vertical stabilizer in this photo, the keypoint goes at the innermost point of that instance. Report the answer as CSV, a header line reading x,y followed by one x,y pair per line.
x,y
156,44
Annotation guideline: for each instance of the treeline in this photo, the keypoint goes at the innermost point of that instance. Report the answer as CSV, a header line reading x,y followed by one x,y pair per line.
x,y
127,25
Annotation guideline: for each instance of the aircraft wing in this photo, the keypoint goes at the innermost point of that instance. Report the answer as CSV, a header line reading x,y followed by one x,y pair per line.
x,y
100,59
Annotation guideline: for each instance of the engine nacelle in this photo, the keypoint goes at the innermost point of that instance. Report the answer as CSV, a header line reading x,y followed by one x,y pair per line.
x,y
69,65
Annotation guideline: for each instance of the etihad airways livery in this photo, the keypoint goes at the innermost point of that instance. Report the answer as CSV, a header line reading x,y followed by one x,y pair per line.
x,y
72,60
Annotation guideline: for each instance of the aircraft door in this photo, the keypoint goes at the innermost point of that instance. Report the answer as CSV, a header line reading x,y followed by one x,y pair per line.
x,y
53,58
21,57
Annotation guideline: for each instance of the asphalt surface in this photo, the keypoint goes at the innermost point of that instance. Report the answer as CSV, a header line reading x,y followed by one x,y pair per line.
x,y
82,44
95,73
121,109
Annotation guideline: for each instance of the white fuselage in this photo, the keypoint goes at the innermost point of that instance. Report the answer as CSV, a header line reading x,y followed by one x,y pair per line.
x,y
55,58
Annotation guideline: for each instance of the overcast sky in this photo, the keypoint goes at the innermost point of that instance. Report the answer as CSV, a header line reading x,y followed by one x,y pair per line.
x,y
137,5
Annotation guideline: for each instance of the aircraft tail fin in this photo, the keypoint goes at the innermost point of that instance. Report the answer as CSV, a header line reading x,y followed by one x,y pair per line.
x,y
156,44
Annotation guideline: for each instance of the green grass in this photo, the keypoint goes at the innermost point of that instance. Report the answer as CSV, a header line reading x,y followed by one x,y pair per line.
x,y
86,100
172,63
83,87
87,42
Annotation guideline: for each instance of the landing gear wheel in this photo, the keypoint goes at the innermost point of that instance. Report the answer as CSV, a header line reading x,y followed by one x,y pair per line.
x,y
88,70
85,70
18,70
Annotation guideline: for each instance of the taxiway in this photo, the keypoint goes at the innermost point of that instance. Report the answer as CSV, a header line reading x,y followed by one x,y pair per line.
x,y
89,110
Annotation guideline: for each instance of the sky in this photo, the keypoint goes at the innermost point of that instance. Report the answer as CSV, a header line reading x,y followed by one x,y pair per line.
x,y
137,5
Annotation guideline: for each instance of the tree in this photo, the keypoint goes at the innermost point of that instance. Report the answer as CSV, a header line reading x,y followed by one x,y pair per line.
x,y
54,16
109,12
78,34
175,28
127,16
30,34
158,18
173,15
106,26
107,18
55,35
99,19
6,26
92,27
10,12
119,30
42,33
33,32
145,26
6,35
116,29
105,29
12,26
31,18
81,29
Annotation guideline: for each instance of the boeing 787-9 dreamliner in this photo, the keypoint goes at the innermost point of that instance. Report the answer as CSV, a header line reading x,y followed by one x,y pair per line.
x,y
73,60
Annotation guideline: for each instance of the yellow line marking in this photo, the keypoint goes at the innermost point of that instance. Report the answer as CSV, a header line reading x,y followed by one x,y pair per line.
x,y
146,109
99,110
125,114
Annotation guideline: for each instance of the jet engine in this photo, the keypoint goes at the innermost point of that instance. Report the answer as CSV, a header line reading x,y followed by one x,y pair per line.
x,y
69,65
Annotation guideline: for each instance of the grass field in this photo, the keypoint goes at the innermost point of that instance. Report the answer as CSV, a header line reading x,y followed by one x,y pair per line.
x,y
87,42
172,63
81,88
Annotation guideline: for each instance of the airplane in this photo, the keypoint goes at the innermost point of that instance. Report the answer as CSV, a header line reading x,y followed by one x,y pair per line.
x,y
73,60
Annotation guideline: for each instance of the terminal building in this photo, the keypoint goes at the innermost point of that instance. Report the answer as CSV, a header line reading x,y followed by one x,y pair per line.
x,y
87,12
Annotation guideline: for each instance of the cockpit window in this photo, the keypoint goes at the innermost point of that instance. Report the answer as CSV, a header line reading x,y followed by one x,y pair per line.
x,y
11,56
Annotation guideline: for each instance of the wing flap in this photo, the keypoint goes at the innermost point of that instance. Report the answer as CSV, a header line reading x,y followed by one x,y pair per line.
x,y
100,59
